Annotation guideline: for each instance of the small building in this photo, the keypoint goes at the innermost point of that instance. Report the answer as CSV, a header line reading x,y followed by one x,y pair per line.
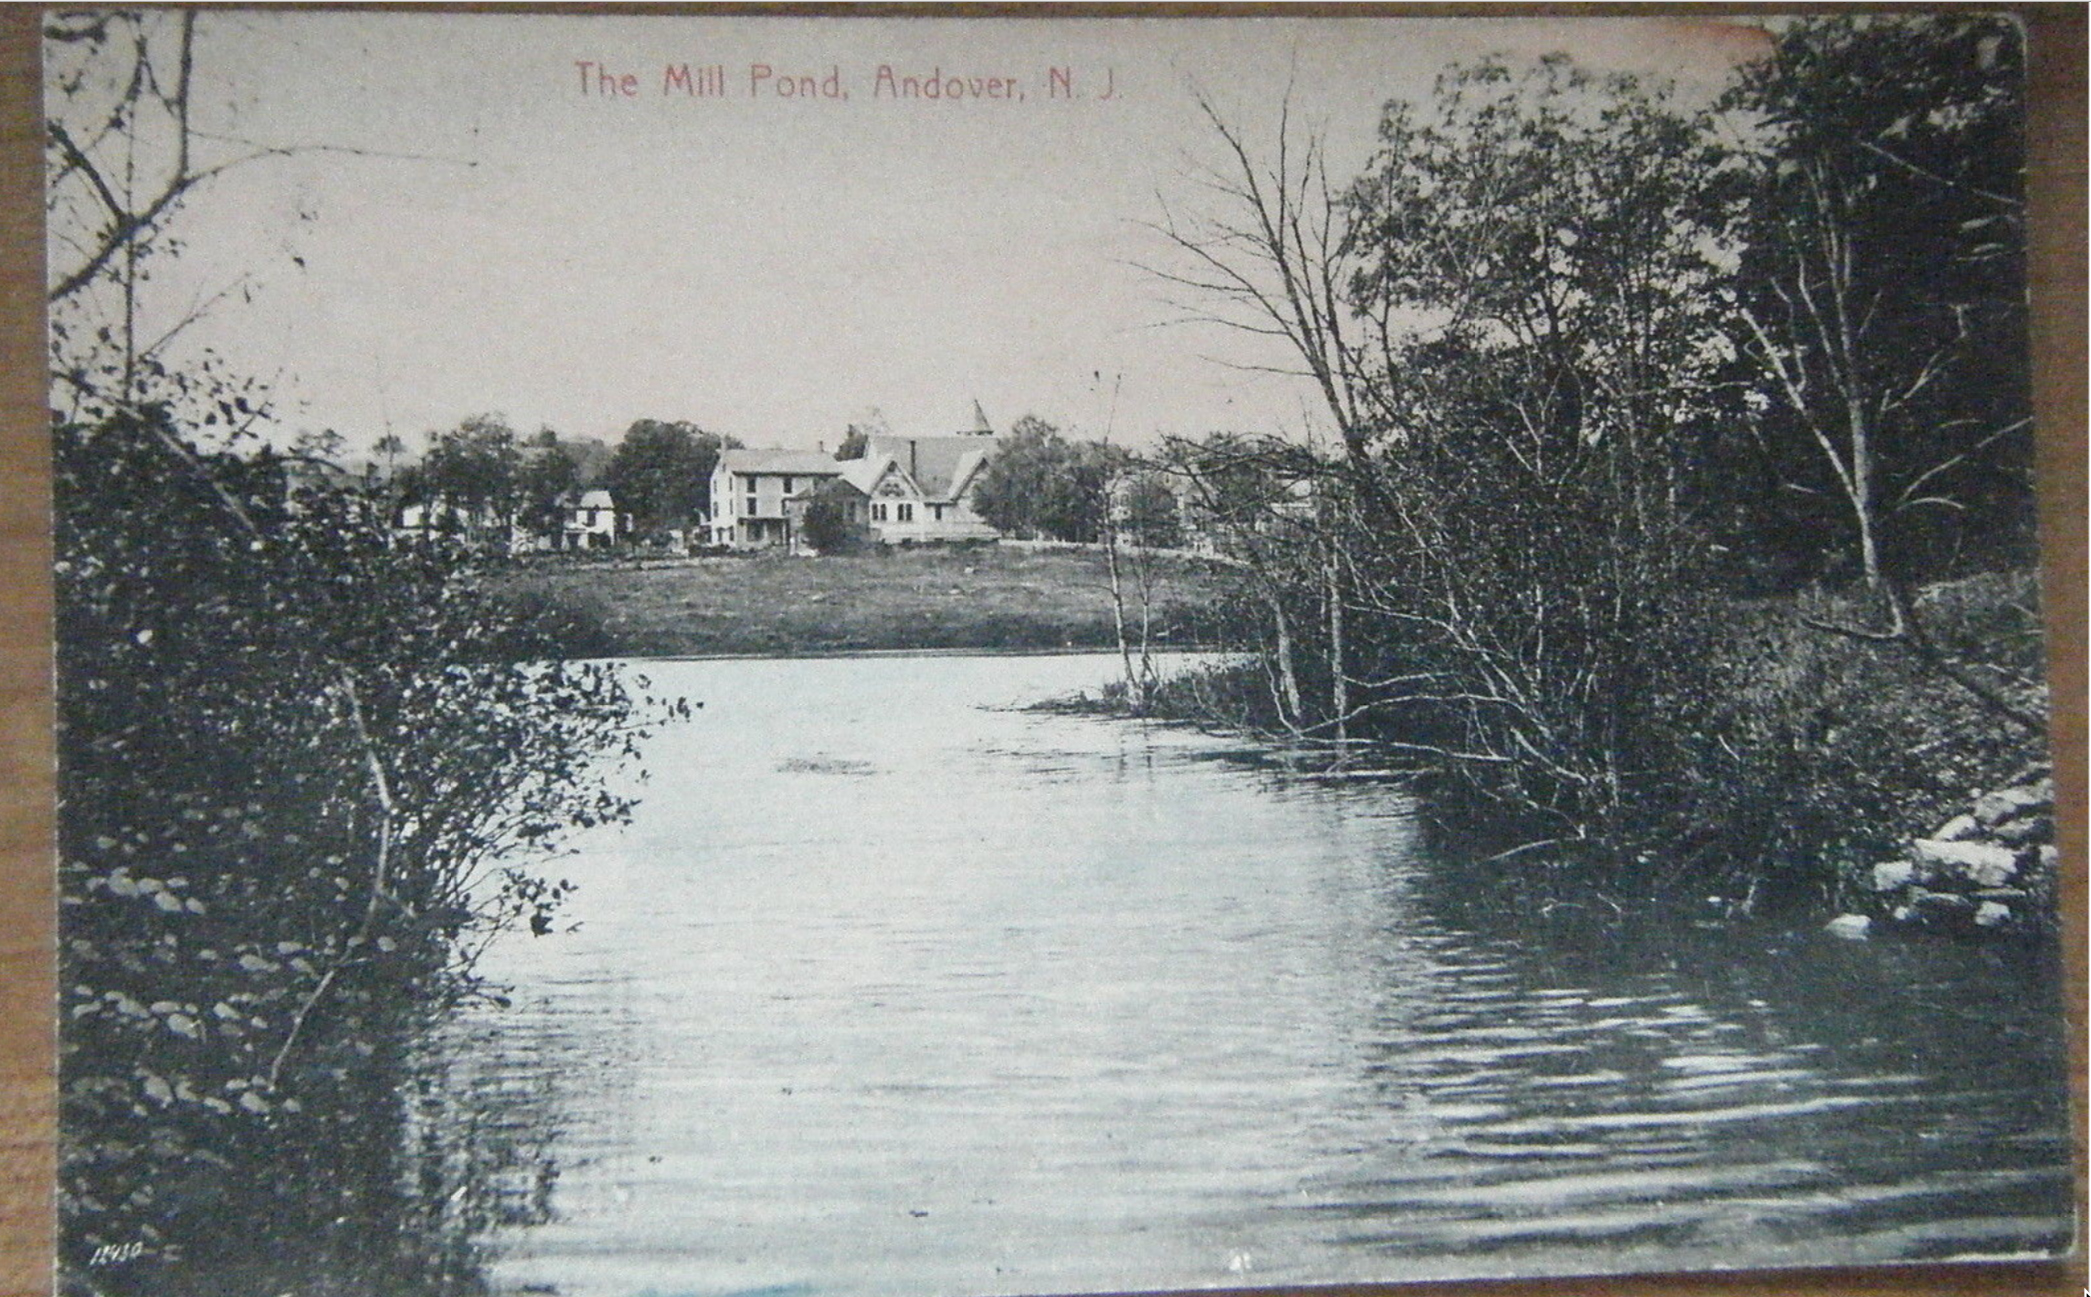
x,y
585,520
593,522
480,528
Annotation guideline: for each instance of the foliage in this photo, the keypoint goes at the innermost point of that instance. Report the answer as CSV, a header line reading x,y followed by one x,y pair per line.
x,y
1795,757
1601,365
1532,495
296,765
304,776
546,485
1148,513
389,448
1881,297
828,524
1039,483
661,473
474,472
856,439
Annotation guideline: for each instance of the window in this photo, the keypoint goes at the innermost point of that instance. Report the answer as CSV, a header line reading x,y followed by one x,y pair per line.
x,y
936,512
787,486
878,511
752,510
904,512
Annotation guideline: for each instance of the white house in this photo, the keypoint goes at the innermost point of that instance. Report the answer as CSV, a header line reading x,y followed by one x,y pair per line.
x,y
749,488
920,489
592,521
914,490
589,520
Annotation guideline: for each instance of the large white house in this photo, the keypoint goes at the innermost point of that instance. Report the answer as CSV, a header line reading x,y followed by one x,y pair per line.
x,y
921,488
903,489
749,488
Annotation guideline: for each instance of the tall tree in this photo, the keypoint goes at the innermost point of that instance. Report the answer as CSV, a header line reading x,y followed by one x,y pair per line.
x,y
472,471
661,472
1882,297
389,448
1508,316
1271,257
545,487
1538,248
857,438
1039,483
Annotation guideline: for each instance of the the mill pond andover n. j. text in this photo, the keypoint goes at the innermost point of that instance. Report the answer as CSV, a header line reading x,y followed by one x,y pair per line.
x,y
953,656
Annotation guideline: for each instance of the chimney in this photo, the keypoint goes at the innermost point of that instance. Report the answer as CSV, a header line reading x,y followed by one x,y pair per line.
x,y
821,446
911,457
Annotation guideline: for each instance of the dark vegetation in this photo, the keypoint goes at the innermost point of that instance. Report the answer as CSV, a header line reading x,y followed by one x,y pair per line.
x,y
1044,485
296,767
480,484
305,775
1679,522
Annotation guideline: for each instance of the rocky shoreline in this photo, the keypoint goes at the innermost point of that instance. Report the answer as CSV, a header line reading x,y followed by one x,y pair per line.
x,y
1989,870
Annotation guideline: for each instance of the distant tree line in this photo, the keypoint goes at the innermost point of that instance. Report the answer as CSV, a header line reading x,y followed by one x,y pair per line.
x,y
1041,484
482,475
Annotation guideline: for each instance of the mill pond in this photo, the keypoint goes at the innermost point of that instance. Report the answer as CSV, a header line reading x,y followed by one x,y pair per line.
x,y
894,985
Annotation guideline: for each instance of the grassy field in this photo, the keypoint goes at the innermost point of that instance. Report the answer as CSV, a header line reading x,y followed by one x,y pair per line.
x,y
987,597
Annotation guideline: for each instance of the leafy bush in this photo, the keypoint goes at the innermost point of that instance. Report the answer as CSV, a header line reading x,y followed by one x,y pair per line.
x,y
295,766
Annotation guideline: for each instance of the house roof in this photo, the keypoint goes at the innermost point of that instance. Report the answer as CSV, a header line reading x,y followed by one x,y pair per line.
x,y
968,464
939,465
865,473
798,463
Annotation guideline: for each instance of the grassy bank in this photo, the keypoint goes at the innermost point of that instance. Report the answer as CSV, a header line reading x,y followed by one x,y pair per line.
x,y
985,597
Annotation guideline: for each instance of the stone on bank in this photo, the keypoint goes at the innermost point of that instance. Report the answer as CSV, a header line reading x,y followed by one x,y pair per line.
x,y
1982,871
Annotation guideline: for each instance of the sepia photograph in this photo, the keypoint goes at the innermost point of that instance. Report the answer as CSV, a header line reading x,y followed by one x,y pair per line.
x,y
791,655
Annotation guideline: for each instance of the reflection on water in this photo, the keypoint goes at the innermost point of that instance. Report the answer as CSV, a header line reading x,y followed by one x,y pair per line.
x,y
890,989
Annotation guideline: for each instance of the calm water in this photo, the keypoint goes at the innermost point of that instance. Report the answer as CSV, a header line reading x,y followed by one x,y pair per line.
x,y
891,989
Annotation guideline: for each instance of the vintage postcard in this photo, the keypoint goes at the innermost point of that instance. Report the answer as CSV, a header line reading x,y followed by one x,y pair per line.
x,y
805,656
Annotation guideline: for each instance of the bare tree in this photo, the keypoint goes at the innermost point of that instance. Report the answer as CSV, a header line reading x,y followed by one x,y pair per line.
x,y
1272,256
124,151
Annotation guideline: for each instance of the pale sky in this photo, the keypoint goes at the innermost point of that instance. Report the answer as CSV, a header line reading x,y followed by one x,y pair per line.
x,y
764,266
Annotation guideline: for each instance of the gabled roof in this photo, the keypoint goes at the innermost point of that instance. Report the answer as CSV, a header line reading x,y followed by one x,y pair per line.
x,y
969,464
864,474
938,465
798,463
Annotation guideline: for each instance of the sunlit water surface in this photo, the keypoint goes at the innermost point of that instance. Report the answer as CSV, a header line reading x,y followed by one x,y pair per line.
x,y
893,988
